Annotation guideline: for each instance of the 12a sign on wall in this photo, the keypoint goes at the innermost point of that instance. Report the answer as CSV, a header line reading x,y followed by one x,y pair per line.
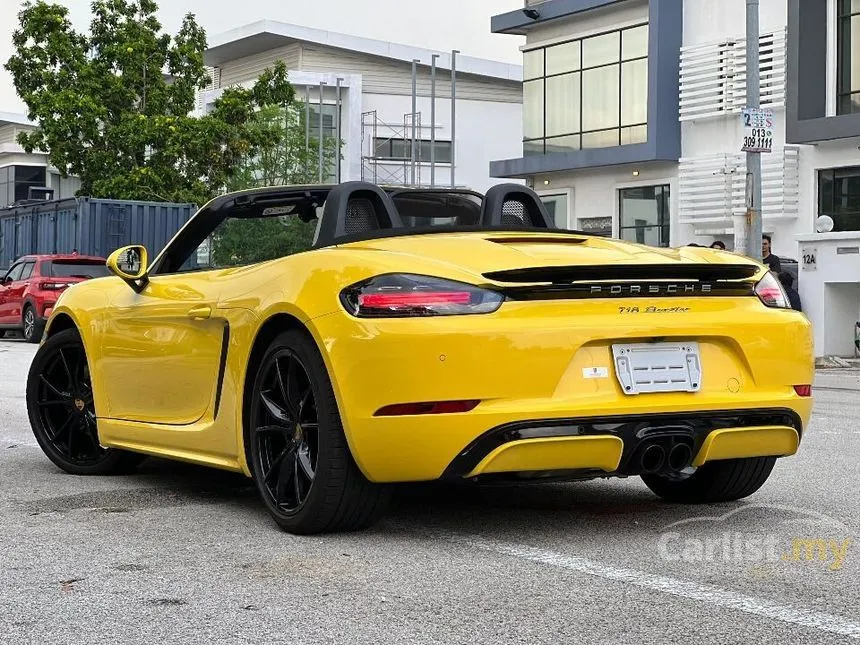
x,y
758,130
808,260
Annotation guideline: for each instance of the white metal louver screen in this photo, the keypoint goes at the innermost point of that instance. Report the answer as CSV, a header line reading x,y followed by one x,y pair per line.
x,y
712,188
214,84
713,76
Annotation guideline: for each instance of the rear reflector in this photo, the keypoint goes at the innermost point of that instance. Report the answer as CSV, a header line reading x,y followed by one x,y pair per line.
x,y
803,390
432,407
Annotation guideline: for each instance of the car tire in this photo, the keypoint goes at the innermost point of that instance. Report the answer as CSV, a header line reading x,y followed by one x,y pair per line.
x,y
718,481
62,412
32,327
298,452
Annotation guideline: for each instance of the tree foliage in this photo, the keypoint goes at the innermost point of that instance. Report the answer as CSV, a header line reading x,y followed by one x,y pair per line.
x,y
113,106
287,155
245,241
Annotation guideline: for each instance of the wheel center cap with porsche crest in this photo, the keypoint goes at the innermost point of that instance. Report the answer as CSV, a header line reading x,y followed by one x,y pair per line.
x,y
79,405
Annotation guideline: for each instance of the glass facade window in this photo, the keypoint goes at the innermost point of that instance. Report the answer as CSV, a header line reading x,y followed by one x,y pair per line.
x,y
848,57
839,197
329,130
644,215
586,93
556,206
401,150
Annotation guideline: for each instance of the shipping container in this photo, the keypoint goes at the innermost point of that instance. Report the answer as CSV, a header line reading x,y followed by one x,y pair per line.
x,y
90,226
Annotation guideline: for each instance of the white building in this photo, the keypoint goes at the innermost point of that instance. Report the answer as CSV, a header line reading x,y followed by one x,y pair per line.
x,y
376,100
20,171
632,124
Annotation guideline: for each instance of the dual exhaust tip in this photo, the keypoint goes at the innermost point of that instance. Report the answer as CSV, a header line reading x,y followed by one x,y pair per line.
x,y
654,458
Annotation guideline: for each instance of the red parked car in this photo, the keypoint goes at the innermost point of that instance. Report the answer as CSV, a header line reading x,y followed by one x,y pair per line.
x,y
31,286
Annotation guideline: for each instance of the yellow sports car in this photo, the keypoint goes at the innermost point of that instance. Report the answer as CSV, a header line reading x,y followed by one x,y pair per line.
x,y
426,335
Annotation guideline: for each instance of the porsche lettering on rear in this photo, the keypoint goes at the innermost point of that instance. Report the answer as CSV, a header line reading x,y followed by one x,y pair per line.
x,y
422,335
651,289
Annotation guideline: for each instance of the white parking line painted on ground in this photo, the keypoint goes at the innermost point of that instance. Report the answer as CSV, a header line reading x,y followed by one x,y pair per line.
x,y
836,432
673,586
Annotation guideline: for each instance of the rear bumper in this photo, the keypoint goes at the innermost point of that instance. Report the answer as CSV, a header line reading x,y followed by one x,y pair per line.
x,y
532,364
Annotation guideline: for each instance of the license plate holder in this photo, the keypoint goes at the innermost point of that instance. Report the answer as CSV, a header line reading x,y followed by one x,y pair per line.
x,y
643,368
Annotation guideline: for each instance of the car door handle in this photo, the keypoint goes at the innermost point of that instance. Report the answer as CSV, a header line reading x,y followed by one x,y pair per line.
x,y
200,313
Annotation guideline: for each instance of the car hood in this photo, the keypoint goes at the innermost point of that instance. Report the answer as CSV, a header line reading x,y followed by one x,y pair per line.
x,y
483,253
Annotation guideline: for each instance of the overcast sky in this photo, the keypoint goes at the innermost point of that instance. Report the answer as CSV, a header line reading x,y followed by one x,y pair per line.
x,y
437,24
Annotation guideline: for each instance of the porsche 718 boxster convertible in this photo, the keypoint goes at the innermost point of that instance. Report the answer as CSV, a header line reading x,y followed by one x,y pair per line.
x,y
330,341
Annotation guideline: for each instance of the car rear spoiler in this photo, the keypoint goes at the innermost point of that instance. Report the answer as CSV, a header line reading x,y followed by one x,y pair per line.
x,y
624,272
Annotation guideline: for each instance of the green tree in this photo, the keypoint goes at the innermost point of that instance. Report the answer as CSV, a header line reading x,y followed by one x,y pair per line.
x,y
245,241
113,106
286,154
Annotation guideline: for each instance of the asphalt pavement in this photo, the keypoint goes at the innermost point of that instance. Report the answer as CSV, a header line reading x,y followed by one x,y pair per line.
x,y
178,554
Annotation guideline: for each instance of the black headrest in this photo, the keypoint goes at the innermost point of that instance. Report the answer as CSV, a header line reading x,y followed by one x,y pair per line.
x,y
353,208
514,206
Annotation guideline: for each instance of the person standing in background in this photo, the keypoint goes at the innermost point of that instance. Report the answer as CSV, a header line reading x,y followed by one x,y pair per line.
x,y
787,281
771,260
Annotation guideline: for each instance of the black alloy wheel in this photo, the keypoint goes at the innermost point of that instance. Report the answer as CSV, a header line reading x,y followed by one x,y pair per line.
x,y
297,451
287,432
62,412
31,328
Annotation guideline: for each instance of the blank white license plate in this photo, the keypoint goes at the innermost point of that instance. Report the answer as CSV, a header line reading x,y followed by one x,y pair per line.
x,y
658,367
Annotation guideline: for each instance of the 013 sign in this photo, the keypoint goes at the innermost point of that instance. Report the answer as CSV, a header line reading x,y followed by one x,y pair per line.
x,y
758,130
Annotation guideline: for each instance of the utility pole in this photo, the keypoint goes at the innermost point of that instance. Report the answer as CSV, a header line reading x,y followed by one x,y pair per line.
x,y
413,157
320,173
307,131
454,117
752,229
433,120
337,131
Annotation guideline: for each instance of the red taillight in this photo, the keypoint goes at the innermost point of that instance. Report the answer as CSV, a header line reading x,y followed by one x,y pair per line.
x,y
770,292
432,407
403,295
421,299
803,390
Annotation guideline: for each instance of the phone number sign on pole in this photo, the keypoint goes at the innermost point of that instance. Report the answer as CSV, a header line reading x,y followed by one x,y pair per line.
x,y
758,130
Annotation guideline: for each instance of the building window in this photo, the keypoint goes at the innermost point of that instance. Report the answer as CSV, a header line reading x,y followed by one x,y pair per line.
x,y
395,149
27,177
644,215
7,186
848,56
16,181
586,93
839,197
557,207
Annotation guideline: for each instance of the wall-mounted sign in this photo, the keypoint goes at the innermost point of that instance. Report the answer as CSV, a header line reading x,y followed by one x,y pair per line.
x,y
808,259
758,130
